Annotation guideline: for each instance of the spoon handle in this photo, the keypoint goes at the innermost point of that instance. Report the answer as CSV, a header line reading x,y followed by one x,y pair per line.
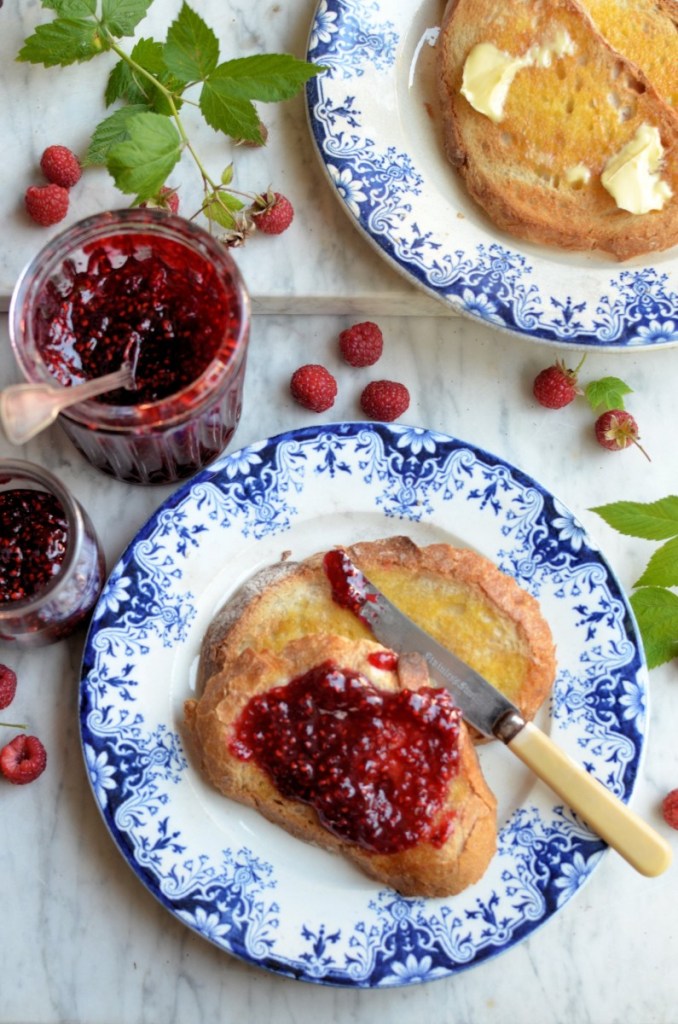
x,y
26,409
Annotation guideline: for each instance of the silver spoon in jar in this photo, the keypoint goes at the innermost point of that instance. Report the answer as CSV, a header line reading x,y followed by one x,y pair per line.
x,y
27,409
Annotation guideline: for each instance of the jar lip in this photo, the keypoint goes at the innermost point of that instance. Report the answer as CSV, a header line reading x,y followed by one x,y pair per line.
x,y
18,469
128,221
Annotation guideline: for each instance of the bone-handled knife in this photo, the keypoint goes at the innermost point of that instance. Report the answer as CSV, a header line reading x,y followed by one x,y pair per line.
x,y
484,707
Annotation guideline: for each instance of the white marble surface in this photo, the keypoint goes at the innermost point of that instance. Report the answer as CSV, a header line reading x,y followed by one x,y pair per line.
x,y
41,107
82,940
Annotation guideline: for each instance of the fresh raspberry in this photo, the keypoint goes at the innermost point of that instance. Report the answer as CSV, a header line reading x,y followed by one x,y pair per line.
x,y
7,686
46,204
274,215
384,400
314,387
556,386
61,166
616,429
670,808
362,344
23,759
166,199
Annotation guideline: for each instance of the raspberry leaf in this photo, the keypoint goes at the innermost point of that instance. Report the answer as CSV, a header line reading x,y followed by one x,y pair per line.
x,y
607,392
228,113
62,42
141,164
656,610
662,569
191,51
121,17
269,77
654,520
109,133
71,8
220,207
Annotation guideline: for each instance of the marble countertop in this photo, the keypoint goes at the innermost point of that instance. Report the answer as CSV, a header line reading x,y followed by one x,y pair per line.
x,y
83,941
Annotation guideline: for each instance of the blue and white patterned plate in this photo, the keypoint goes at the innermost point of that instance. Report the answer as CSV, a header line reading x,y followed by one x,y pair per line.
x,y
372,119
221,868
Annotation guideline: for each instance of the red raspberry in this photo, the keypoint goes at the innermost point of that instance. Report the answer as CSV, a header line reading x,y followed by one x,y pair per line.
x,y
384,400
556,386
47,204
670,808
616,429
166,199
314,387
61,166
23,759
362,344
7,686
276,214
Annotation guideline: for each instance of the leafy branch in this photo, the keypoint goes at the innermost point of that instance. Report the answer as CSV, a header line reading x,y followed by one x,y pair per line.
x,y
143,140
655,604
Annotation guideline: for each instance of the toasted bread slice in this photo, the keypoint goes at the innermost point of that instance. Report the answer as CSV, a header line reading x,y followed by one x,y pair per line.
x,y
461,598
646,33
537,170
426,868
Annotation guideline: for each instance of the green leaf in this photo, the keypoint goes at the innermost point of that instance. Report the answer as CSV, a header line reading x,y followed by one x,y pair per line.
x,y
108,133
121,17
656,611
268,77
71,8
608,392
220,207
654,520
229,114
662,569
63,42
127,83
227,174
192,49
141,164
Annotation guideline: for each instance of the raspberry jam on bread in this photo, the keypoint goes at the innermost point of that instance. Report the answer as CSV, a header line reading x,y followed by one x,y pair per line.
x,y
375,766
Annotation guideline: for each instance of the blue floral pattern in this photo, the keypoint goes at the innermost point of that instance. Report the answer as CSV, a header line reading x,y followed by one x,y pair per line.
x,y
234,886
390,190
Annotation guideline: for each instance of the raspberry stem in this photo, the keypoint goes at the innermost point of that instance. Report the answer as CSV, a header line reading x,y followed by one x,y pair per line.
x,y
14,725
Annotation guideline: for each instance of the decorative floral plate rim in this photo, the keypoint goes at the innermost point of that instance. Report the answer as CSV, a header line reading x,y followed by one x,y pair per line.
x,y
383,160
223,870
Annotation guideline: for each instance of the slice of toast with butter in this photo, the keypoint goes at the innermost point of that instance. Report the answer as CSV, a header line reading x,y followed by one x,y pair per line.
x,y
457,595
559,116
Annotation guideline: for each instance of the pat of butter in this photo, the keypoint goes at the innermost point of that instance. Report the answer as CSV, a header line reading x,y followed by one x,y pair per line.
x,y
578,175
489,72
541,56
632,175
487,78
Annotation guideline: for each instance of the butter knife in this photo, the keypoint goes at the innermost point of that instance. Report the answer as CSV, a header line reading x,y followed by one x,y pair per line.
x,y
489,711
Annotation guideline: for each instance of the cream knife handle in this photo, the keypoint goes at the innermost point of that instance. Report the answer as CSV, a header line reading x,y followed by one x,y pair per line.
x,y
606,815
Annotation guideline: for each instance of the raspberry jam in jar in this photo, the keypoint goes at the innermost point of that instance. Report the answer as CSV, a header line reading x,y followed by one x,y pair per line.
x,y
375,765
150,288
52,568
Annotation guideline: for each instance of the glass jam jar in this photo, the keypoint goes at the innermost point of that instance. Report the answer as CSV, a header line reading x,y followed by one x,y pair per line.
x,y
152,288
52,567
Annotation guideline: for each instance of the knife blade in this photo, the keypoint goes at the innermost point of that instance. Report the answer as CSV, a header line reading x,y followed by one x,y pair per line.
x,y
494,715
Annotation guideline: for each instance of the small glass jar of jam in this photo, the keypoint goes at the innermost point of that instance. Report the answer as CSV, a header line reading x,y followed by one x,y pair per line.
x,y
152,289
52,567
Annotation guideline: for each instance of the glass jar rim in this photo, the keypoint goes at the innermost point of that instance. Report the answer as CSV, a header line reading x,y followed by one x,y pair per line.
x,y
17,468
175,407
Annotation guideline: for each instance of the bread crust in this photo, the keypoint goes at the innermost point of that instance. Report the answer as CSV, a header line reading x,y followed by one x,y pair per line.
x,y
456,594
555,119
424,870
